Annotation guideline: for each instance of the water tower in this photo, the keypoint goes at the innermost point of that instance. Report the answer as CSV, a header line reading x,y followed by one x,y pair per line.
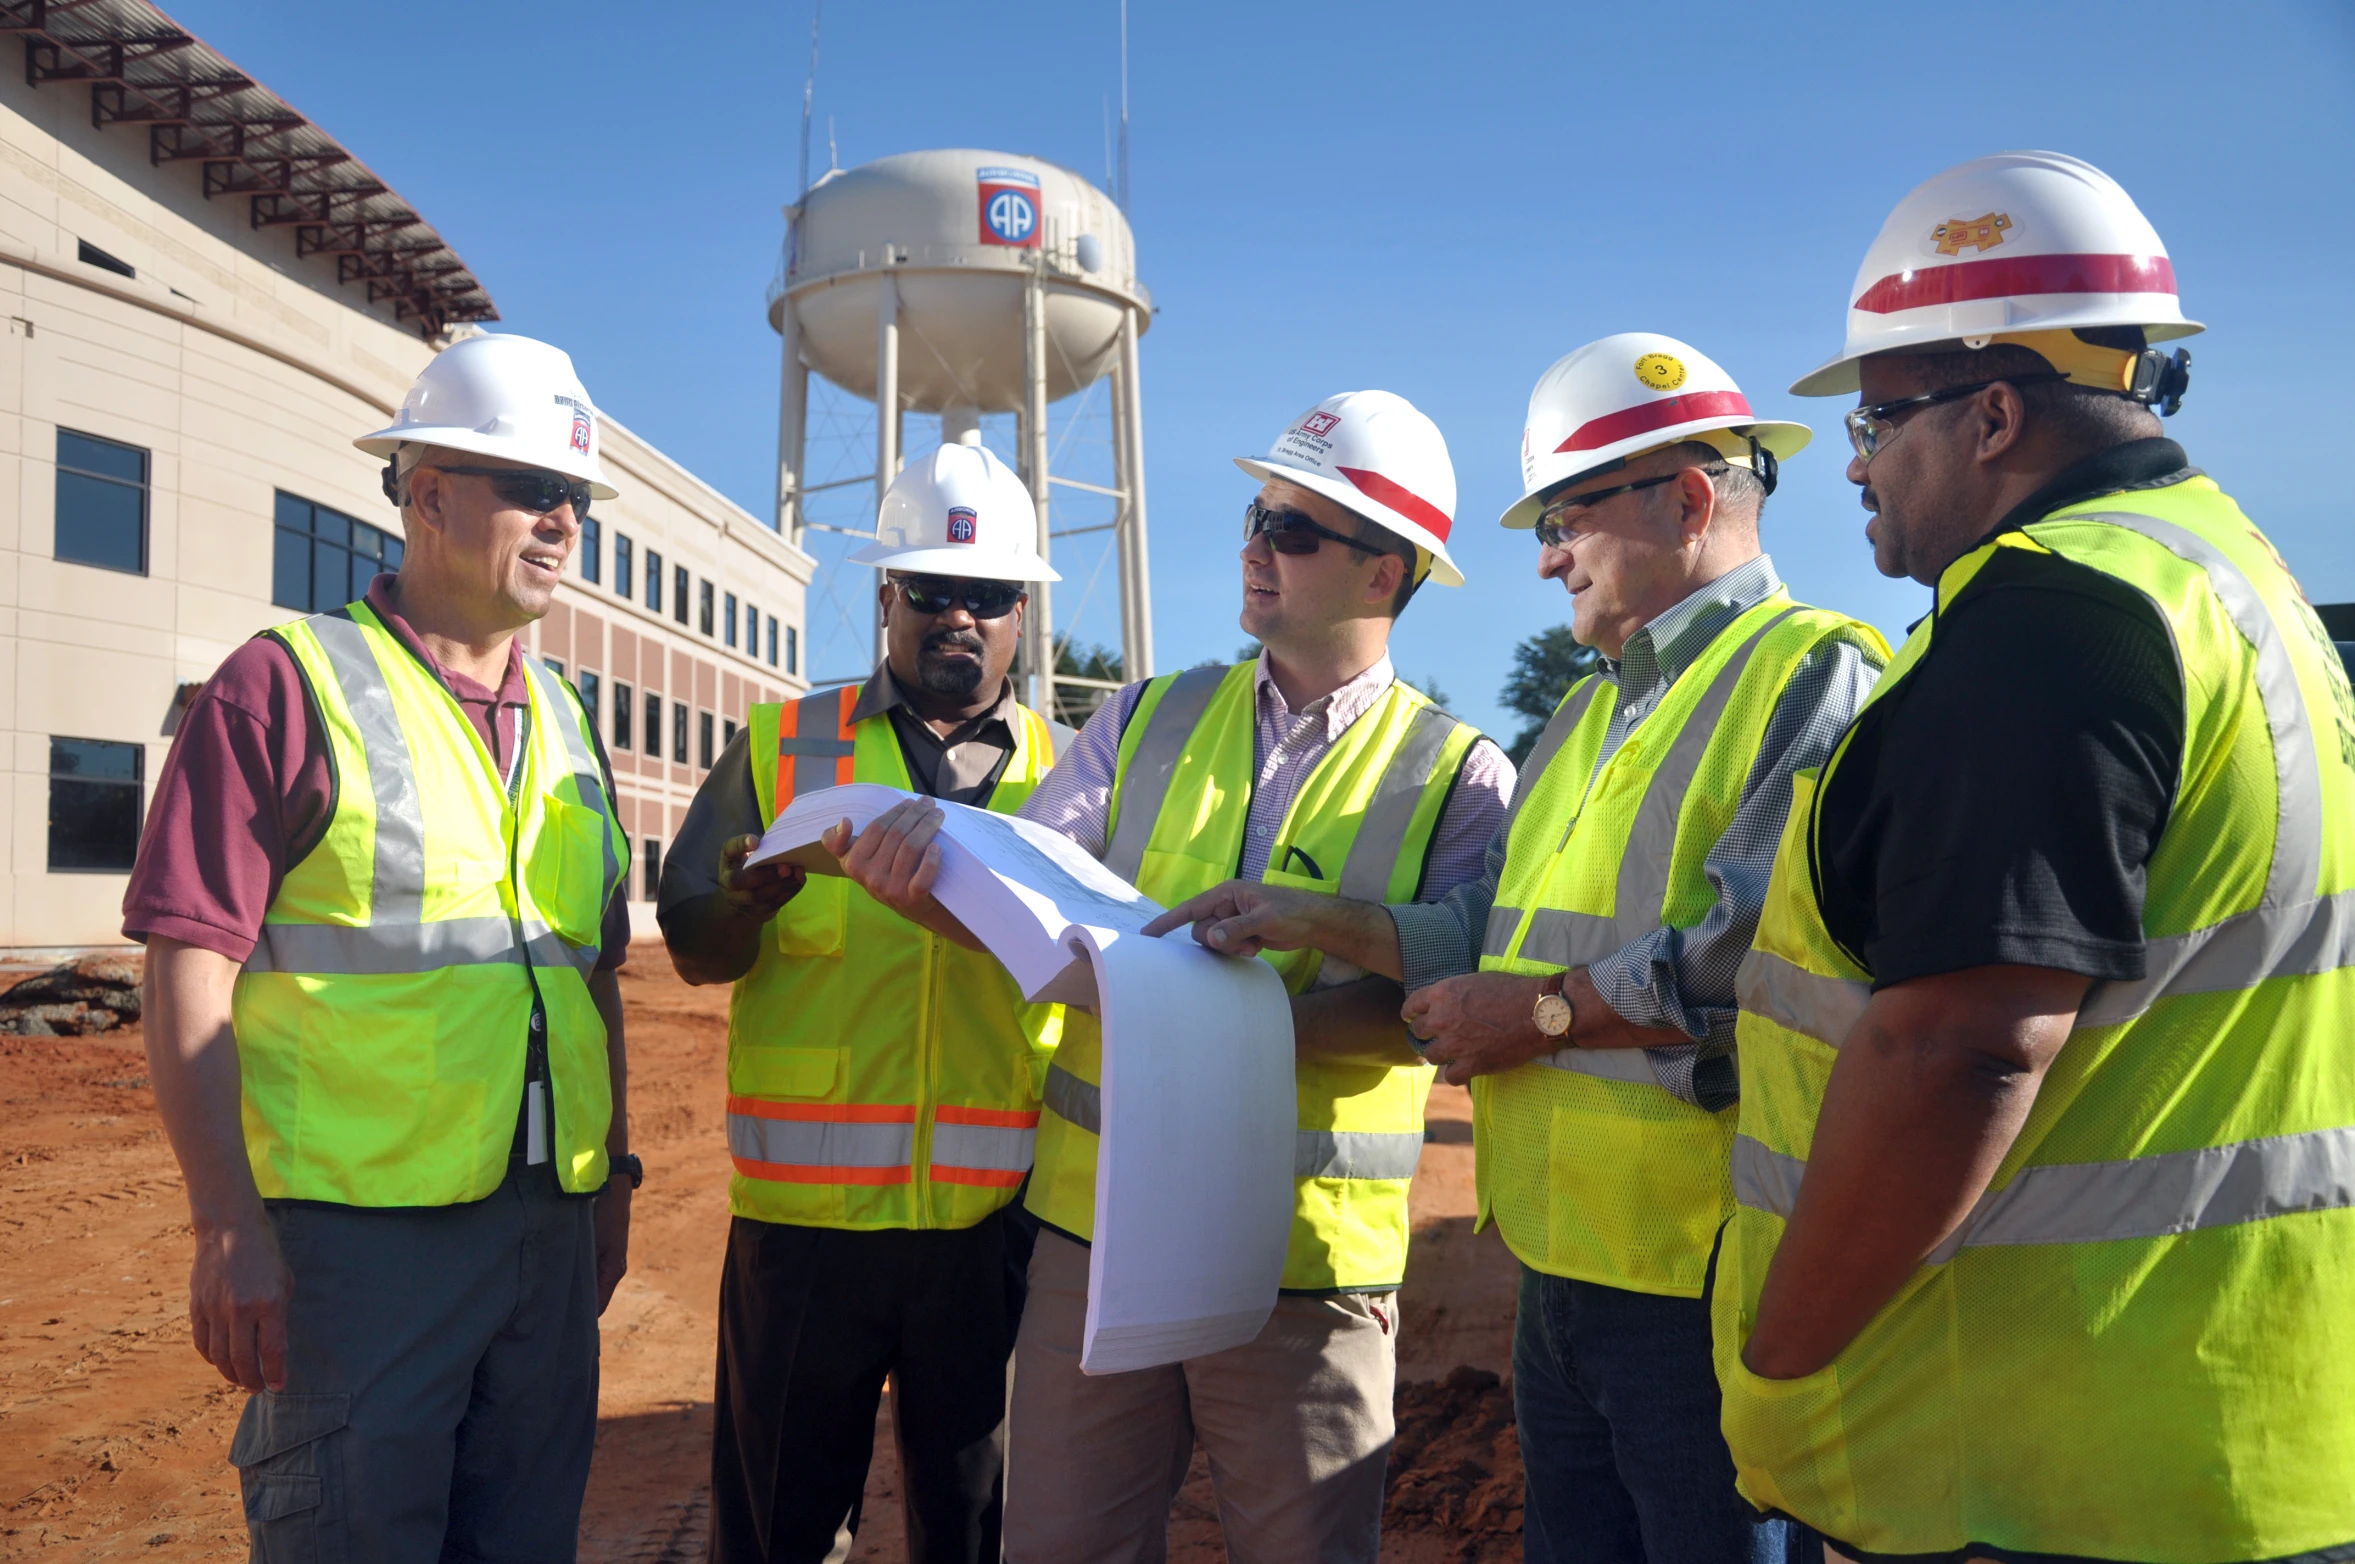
x,y
962,283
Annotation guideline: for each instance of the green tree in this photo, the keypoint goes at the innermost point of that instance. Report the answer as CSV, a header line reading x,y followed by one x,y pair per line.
x,y
1544,668
1079,701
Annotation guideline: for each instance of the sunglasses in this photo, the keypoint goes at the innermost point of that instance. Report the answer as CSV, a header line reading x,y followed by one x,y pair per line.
x,y
940,594
1870,428
1294,532
525,489
1563,508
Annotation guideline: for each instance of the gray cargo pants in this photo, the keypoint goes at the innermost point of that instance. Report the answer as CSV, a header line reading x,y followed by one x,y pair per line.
x,y
441,1385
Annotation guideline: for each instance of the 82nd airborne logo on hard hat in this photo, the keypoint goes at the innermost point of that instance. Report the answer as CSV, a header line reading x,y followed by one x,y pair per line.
x,y
580,431
961,524
1982,234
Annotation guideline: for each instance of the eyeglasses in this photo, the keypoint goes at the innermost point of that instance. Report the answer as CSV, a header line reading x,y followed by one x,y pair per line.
x,y
940,594
1294,532
1870,428
526,489
1562,506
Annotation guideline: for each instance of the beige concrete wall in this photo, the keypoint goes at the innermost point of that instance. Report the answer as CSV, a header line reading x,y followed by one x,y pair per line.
x,y
244,370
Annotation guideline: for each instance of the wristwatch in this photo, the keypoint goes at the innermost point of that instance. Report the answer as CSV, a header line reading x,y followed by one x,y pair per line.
x,y
626,1166
1553,1014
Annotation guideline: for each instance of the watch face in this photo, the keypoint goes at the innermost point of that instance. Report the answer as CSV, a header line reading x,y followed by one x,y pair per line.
x,y
1553,1015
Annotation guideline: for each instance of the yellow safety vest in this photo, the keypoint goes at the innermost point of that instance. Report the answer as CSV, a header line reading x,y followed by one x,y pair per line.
x,y
2141,1342
1360,826
878,1075
384,1017
1590,1167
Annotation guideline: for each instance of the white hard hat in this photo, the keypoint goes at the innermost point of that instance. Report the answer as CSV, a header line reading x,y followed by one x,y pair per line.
x,y
1614,400
500,395
958,512
2000,246
1373,454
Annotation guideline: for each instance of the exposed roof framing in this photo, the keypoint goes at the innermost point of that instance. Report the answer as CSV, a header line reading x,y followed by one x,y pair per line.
x,y
145,69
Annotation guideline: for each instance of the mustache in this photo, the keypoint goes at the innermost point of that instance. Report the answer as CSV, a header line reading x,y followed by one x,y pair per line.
x,y
962,640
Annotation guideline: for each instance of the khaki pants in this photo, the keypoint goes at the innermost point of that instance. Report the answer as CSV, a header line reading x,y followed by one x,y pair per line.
x,y
1297,1425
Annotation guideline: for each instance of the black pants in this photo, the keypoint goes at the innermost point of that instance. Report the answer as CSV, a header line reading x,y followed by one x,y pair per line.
x,y
811,1320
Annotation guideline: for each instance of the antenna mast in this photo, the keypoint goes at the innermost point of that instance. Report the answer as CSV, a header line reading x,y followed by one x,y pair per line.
x,y
1121,195
809,89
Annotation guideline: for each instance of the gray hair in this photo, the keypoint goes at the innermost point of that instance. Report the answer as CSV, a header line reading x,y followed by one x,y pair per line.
x,y
1739,489
2085,419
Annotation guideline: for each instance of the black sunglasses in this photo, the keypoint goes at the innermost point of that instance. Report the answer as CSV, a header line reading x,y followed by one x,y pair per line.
x,y
940,594
1549,520
1294,532
1870,428
526,489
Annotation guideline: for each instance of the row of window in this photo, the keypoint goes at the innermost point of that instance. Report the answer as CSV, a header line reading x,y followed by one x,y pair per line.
x,y
710,733
323,559
709,610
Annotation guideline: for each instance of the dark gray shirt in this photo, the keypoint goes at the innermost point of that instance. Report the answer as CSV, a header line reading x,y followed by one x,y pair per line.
x,y
961,766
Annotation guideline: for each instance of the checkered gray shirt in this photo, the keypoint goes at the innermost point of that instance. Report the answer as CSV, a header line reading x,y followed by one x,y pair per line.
x,y
1682,978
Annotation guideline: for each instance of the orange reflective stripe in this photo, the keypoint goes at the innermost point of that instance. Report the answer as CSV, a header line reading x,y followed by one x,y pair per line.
x,y
986,1146
822,1142
802,757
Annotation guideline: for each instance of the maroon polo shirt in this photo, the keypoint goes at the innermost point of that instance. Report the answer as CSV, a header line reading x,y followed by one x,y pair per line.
x,y
246,791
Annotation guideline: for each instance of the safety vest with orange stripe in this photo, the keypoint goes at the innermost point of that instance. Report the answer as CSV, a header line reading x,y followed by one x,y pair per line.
x,y
878,1075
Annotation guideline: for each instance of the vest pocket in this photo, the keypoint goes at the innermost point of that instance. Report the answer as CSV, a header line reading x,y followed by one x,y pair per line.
x,y
812,923
1789,1446
568,857
784,1072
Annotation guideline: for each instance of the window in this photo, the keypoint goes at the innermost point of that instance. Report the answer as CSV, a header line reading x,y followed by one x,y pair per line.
x,y
324,559
728,620
703,606
679,593
91,255
621,567
654,580
727,733
703,749
678,733
94,805
101,503
592,550
587,684
792,647
652,742
651,877
624,708
555,666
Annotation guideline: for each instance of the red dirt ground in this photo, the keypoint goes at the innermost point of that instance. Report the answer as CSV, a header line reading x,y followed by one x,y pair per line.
x,y
113,1433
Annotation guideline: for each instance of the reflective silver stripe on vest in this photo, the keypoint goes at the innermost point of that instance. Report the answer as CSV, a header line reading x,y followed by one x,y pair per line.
x,y
990,1148
1073,1100
1633,1065
588,782
2297,844
1356,1153
337,949
1824,1008
2103,1202
814,755
1381,832
821,1143
1144,786
1566,717
551,949
396,892
2241,952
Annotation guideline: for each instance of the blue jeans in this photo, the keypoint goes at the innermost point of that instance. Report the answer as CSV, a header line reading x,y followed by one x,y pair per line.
x,y
1617,1402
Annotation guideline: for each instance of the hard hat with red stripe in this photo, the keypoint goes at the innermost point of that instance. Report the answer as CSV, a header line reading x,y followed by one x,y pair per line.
x,y
1614,400
2029,247
1374,454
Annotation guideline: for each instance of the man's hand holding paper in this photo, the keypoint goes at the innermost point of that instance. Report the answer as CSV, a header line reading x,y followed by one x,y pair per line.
x,y
896,860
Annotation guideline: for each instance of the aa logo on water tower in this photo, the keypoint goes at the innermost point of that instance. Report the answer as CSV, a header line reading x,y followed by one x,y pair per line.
x,y
1009,206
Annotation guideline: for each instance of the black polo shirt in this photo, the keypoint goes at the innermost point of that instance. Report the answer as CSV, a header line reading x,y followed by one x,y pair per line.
x,y
2000,804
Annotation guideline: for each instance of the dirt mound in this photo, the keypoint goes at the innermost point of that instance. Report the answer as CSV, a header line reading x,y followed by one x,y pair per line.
x,y
1456,1469
94,994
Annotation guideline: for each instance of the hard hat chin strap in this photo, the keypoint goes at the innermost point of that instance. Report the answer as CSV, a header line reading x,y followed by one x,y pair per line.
x,y
2160,379
1763,463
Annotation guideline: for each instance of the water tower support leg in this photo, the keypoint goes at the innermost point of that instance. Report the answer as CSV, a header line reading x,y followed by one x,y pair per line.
x,y
793,400
1122,465
886,416
1039,629
1136,628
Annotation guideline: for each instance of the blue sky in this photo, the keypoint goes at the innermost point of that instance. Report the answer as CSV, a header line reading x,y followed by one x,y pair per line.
x,y
1437,200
